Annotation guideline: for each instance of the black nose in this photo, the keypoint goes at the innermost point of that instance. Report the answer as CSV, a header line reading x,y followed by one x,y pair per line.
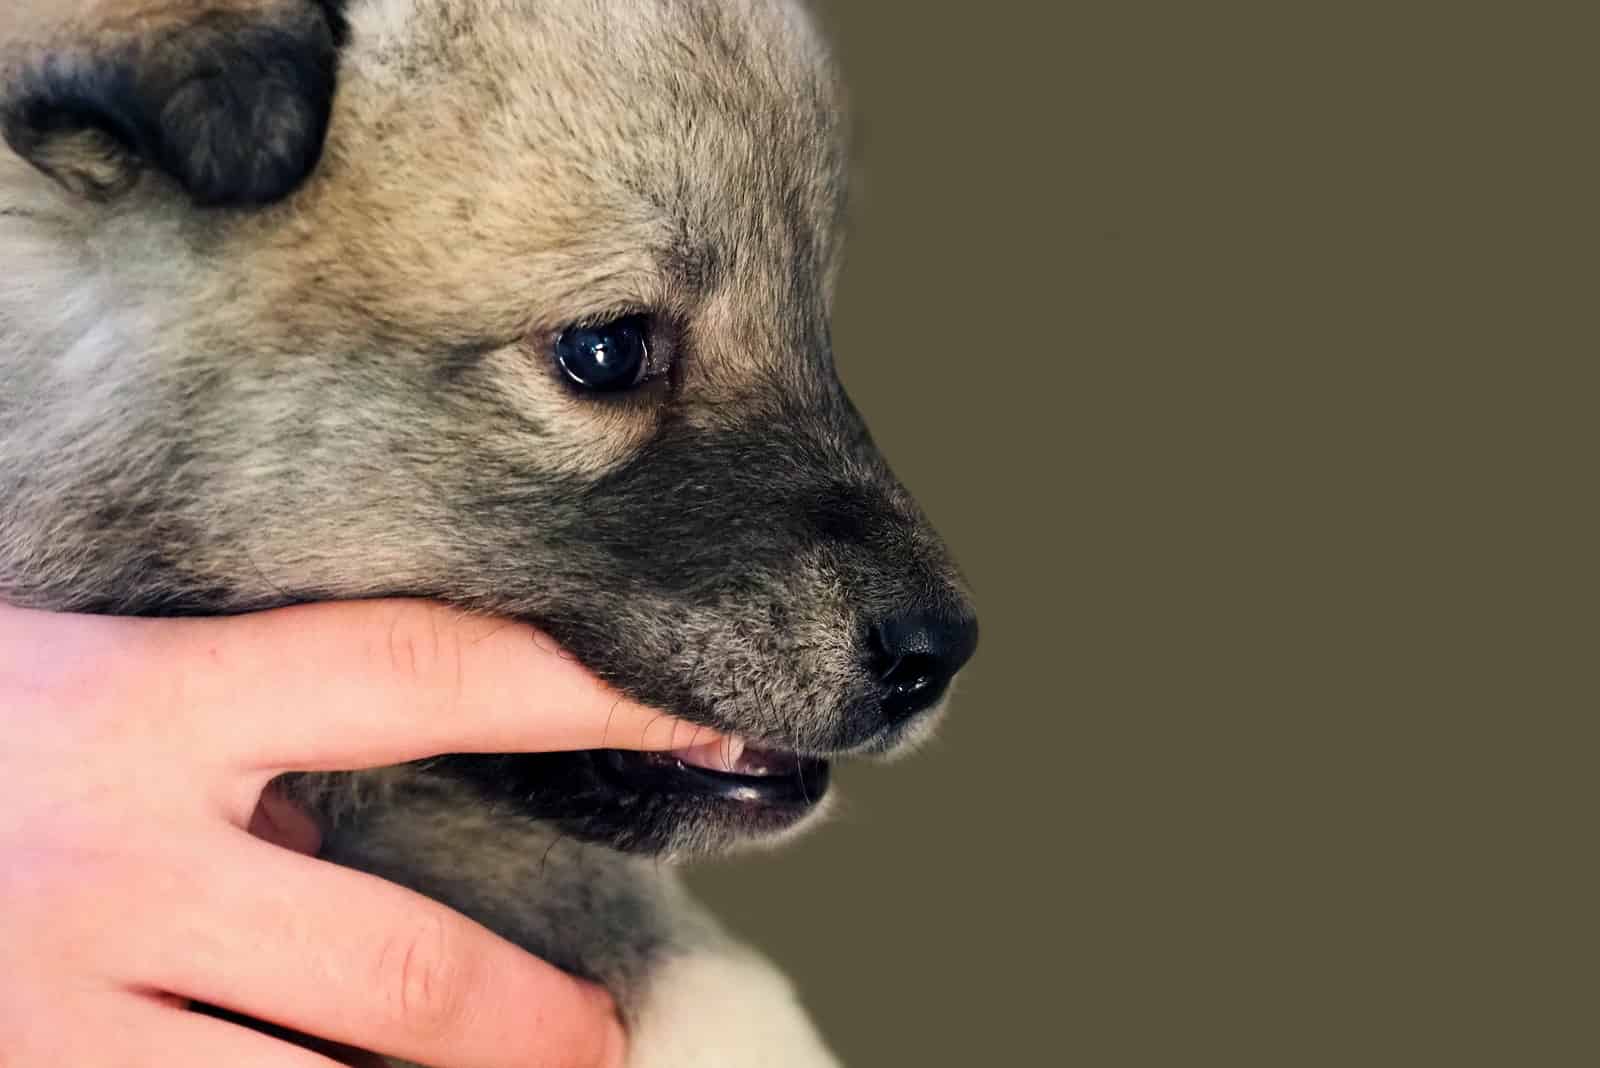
x,y
916,655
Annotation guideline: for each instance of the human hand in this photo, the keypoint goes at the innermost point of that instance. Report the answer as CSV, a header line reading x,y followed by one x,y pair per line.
x,y
133,759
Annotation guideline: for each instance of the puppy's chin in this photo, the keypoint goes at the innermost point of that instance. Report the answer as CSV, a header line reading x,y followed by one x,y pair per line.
x,y
654,804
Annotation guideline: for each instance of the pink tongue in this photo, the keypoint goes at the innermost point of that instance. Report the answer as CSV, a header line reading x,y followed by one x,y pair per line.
x,y
720,755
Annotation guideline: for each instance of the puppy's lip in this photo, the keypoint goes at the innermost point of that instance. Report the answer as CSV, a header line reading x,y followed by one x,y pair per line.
x,y
766,777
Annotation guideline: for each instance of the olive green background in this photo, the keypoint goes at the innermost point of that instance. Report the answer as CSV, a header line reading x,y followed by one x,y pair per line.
x,y
1240,352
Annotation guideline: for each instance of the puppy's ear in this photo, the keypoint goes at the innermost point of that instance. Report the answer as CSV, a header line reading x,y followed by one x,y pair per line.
x,y
232,102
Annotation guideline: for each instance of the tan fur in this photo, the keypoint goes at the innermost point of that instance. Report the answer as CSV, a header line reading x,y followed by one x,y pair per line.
x,y
350,392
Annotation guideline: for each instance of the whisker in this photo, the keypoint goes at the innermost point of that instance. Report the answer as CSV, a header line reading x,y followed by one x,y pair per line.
x,y
546,858
644,735
282,593
605,735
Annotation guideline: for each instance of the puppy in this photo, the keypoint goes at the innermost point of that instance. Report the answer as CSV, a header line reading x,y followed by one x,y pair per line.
x,y
530,316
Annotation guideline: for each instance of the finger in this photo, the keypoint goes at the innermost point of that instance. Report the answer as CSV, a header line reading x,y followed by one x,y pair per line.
x,y
339,1054
332,952
46,652
140,1033
366,684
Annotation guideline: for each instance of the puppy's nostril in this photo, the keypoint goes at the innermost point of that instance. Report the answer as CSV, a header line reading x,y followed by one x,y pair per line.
x,y
915,657
913,674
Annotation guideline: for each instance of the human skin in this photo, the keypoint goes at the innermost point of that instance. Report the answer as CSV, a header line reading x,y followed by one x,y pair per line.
x,y
145,863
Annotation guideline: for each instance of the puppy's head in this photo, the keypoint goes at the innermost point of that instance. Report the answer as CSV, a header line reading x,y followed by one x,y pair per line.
x,y
546,335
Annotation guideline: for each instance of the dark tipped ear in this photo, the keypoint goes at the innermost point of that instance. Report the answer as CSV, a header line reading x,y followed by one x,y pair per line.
x,y
233,106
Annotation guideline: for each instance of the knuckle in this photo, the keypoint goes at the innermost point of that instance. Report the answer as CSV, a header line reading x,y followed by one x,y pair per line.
x,y
424,646
429,983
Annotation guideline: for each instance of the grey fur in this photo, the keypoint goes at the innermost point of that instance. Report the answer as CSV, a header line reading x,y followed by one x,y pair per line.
x,y
349,394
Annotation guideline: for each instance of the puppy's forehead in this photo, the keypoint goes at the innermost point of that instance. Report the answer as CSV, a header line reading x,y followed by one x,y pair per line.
x,y
718,118
525,162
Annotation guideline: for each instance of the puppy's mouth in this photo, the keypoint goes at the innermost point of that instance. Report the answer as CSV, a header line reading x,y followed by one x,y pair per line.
x,y
717,794
681,802
728,769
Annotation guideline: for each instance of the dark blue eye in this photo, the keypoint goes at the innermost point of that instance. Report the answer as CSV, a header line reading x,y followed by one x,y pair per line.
x,y
607,357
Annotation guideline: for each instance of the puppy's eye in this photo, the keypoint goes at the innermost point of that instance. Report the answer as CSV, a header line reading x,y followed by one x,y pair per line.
x,y
608,357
